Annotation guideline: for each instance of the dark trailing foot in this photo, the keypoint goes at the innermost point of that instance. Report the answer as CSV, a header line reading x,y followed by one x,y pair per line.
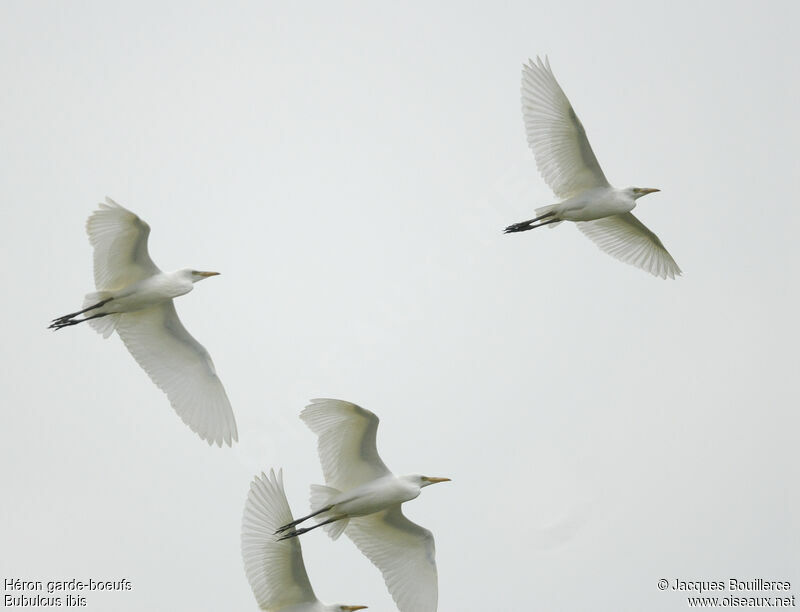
x,y
69,319
66,322
524,226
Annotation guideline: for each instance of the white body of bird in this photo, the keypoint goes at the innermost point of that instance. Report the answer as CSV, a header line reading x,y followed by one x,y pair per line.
x,y
151,291
362,498
370,497
568,165
593,204
275,568
134,298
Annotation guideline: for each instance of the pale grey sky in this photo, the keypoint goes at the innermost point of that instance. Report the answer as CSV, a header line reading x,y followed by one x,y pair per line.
x,y
349,168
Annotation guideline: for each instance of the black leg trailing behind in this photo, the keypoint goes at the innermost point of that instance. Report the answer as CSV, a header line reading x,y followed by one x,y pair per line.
x,y
69,319
298,532
301,519
524,226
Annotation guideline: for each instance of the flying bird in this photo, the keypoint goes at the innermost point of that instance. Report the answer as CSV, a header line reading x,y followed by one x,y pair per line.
x,y
274,568
134,298
568,165
363,498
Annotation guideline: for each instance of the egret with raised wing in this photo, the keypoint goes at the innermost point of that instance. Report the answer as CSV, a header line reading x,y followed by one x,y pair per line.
x,y
275,568
568,165
363,499
134,298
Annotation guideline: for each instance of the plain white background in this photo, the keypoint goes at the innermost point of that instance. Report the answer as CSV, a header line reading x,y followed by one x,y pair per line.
x,y
348,168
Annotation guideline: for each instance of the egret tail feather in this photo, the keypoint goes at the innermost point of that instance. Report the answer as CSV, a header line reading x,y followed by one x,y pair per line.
x,y
322,497
322,501
544,212
335,527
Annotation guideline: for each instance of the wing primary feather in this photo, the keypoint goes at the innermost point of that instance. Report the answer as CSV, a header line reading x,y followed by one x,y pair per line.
x,y
556,136
629,240
275,569
119,238
346,442
405,554
181,367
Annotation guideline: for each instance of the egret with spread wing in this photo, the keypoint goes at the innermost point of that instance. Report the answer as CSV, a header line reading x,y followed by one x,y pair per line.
x,y
275,568
568,165
134,298
362,499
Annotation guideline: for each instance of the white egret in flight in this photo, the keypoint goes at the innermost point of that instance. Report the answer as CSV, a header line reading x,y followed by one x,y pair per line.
x,y
134,298
568,165
275,568
362,499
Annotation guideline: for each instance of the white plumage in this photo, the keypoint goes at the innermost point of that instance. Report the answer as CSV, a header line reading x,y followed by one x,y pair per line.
x,y
362,498
568,165
119,238
346,436
405,554
134,297
274,568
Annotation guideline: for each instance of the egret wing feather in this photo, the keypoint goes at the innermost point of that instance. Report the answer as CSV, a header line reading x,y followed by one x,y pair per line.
x,y
275,569
119,238
404,552
555,134
626,238
182,368
346,442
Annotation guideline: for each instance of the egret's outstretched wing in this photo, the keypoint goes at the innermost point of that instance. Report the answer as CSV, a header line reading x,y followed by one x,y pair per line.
x,y
182,368
404,552
275,569
555,134
627,239
346,442
119,238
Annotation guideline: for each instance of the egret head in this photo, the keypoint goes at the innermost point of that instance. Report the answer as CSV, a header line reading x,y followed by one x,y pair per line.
x,y
424,481
638,192
198,275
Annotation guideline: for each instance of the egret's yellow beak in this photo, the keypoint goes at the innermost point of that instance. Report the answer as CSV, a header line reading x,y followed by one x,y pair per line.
x,y
646,190
433,479
208,273
351,608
